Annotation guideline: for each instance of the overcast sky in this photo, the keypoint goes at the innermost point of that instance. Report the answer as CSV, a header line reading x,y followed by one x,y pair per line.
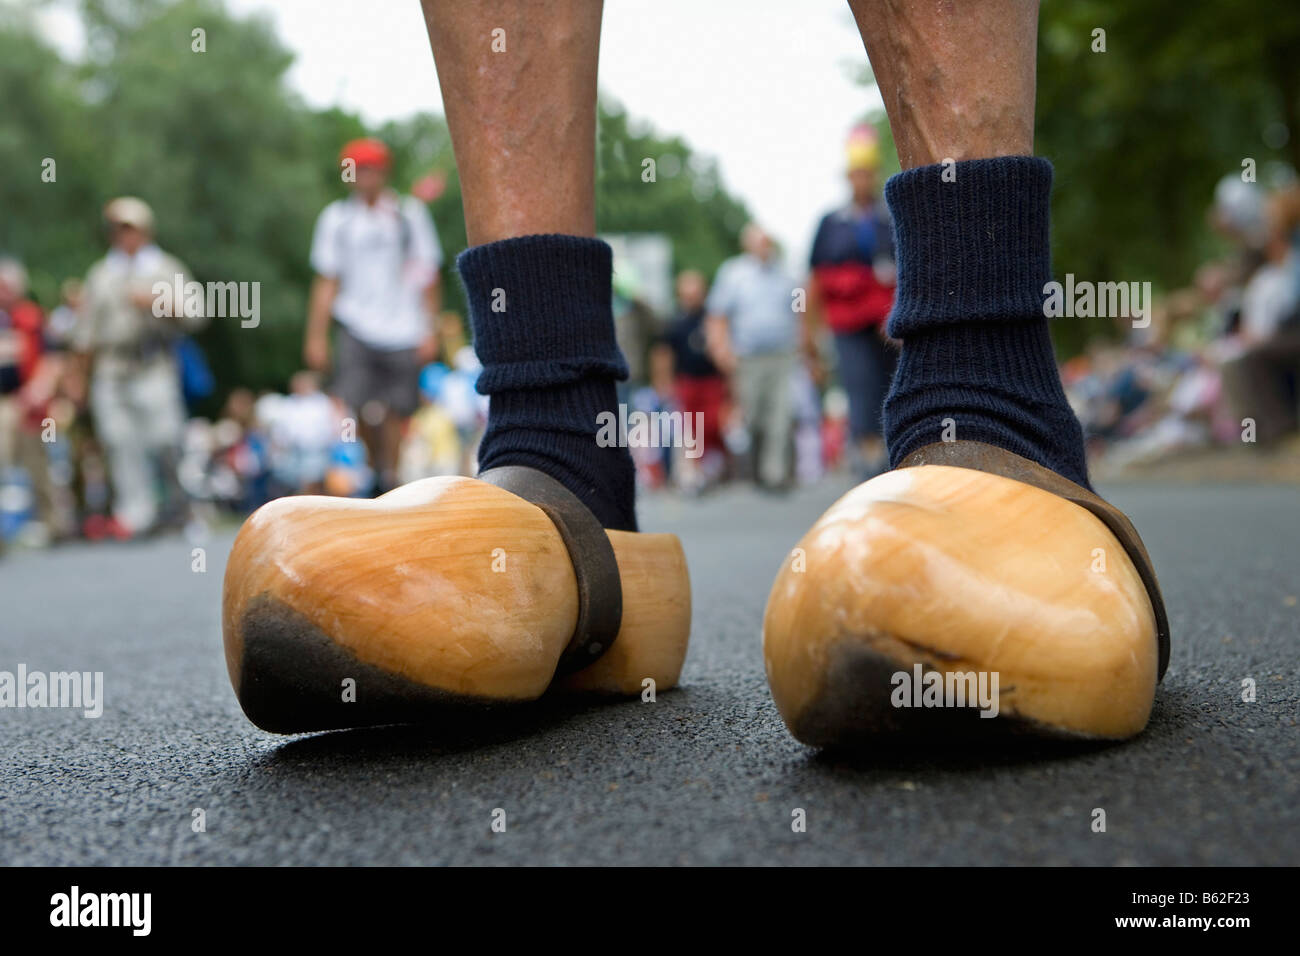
x,y
765,86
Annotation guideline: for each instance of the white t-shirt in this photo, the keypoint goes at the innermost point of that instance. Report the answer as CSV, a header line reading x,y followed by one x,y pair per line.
x,y
384,257
1270,298
305,423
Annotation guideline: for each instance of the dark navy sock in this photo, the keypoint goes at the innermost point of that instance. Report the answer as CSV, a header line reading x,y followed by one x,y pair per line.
x,y
973,257
541,311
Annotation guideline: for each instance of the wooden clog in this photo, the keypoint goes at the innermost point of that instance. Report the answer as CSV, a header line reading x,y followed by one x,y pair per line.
x,y
964,563
442,594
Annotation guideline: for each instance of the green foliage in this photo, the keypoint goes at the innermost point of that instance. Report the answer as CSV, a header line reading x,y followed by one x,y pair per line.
x,y
44,117
235,169
685,201
1140,134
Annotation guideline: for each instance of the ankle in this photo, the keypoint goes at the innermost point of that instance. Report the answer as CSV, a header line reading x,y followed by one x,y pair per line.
x,y
540,308
977,361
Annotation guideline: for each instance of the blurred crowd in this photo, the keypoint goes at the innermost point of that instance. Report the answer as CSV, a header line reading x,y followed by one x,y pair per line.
x,y
1219,361
98,436
786,371
768,375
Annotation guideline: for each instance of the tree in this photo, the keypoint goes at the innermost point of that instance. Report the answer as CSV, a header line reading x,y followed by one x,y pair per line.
x,y
685,199
1140,133
233,164
43,122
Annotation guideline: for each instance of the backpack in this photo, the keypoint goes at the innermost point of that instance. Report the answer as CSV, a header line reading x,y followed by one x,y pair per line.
x,y
197,380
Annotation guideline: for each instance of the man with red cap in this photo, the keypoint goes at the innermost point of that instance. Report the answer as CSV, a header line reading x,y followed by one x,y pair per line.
x,y
376,257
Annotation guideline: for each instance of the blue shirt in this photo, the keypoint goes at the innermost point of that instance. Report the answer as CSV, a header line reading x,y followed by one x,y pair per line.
x,y
757,299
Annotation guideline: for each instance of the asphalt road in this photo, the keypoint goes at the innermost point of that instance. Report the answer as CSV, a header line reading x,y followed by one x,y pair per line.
x,y
706,774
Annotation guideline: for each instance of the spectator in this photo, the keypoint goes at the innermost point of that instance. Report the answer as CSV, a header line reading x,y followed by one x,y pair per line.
x,y
241,470
135,394
1261,360
376,257
754,336
698,386
852,290
304,427
29,374
636,327
63,320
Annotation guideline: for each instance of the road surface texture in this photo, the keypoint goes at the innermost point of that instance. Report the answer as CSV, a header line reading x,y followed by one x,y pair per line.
x,y
706,774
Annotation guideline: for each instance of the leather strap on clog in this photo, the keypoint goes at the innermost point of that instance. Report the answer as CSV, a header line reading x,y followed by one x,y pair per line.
x,y
998,461
600,591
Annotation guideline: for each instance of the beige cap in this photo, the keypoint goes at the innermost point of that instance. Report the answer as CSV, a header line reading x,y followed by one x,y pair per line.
x,y
130,211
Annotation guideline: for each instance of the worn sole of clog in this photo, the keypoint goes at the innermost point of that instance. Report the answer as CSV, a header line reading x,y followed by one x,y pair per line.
x,y
932,585
442,596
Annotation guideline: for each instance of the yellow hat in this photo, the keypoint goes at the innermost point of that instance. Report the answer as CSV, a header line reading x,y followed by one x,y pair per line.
x,y
863,148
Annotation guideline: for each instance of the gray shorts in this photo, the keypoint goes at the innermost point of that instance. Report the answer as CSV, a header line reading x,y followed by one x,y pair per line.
x,y
364,374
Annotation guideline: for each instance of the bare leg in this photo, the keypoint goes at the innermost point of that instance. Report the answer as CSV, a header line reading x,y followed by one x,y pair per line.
x,y
957,79
957,76
518,81
976,389
523,121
